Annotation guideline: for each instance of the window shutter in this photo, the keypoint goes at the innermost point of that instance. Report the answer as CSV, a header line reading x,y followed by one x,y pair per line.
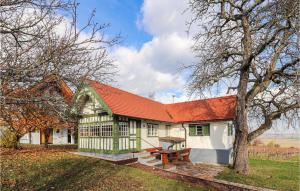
x,y
230,129
192,130
206,130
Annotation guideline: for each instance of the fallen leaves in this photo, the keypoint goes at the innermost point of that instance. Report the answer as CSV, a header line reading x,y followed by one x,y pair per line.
x,y
59,170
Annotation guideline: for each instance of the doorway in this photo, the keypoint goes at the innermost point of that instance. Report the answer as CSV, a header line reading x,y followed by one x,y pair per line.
x,y
69,136
42,136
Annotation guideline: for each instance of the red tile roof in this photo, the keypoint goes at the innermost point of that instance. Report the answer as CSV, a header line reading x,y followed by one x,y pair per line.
x,y
131,105
128,104
220,108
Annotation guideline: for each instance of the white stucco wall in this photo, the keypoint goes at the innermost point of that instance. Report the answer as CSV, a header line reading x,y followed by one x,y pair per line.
x,y
61,137
35,138
149,142
218,138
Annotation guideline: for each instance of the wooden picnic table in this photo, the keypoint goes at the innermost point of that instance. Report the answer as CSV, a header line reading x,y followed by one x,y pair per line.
x,y
165,154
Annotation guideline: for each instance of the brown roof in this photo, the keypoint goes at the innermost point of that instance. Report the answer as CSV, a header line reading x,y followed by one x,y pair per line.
x,y
131,105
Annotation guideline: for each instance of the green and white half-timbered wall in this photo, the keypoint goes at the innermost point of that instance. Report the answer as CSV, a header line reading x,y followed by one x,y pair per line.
x,y
99,130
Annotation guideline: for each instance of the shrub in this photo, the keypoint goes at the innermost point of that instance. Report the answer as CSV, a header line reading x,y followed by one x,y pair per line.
x,y
8,139
270,144
277,145
257,142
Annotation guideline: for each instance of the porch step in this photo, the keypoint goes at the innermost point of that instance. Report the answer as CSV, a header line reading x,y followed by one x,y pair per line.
x,y
142,154
148,159
153,161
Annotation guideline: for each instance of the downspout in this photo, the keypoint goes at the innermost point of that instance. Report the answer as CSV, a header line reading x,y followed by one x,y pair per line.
x,y
185,136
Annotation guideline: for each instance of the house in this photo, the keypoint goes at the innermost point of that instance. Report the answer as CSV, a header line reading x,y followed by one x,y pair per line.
x,y
113,121
33,123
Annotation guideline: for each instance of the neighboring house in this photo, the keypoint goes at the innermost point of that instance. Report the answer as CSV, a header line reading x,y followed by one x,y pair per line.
x,y
58,136
59,132
113,121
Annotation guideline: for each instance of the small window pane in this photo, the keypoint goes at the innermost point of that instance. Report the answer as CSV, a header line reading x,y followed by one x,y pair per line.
x,y
123,128
199,130
106,129
152,129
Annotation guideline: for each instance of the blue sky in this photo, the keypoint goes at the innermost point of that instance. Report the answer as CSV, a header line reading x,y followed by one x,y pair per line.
x,y
154,48
122,15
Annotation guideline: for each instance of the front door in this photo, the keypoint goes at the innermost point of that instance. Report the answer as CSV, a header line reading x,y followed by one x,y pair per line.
x,y
42,136
134,135
69,136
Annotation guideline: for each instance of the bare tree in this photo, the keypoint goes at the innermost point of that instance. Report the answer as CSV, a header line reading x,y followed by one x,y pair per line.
x,y
40,38
253,47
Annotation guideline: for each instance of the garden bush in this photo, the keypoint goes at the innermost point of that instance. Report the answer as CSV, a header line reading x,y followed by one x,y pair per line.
x,y
8,139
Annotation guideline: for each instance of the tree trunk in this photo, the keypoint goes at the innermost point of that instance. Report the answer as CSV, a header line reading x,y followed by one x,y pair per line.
x,y
16,144
30,137
240,159
47,135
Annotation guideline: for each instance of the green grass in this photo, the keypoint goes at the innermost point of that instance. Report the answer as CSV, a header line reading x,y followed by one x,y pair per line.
x,y
63,171
280,175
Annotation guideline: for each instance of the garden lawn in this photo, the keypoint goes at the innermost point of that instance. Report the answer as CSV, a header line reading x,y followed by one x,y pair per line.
x,y
57,170
279,175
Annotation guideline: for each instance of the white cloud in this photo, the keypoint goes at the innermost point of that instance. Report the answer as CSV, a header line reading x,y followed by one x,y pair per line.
x,y
137,74
164,17
156,66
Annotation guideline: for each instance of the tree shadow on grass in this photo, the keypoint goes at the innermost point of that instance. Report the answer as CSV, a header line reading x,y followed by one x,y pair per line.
x,y
73,174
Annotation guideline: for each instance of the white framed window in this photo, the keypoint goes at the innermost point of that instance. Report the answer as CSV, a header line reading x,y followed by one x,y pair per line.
x,y
132,127
168,129
123,128
152,130
84,131
106,129
95,131
89,131
199,129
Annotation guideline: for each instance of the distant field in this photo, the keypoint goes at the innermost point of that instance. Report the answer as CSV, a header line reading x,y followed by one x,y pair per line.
x,y
283,142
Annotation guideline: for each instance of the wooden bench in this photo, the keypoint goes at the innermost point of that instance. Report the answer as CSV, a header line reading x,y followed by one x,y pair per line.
x,y
154,150
183,155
